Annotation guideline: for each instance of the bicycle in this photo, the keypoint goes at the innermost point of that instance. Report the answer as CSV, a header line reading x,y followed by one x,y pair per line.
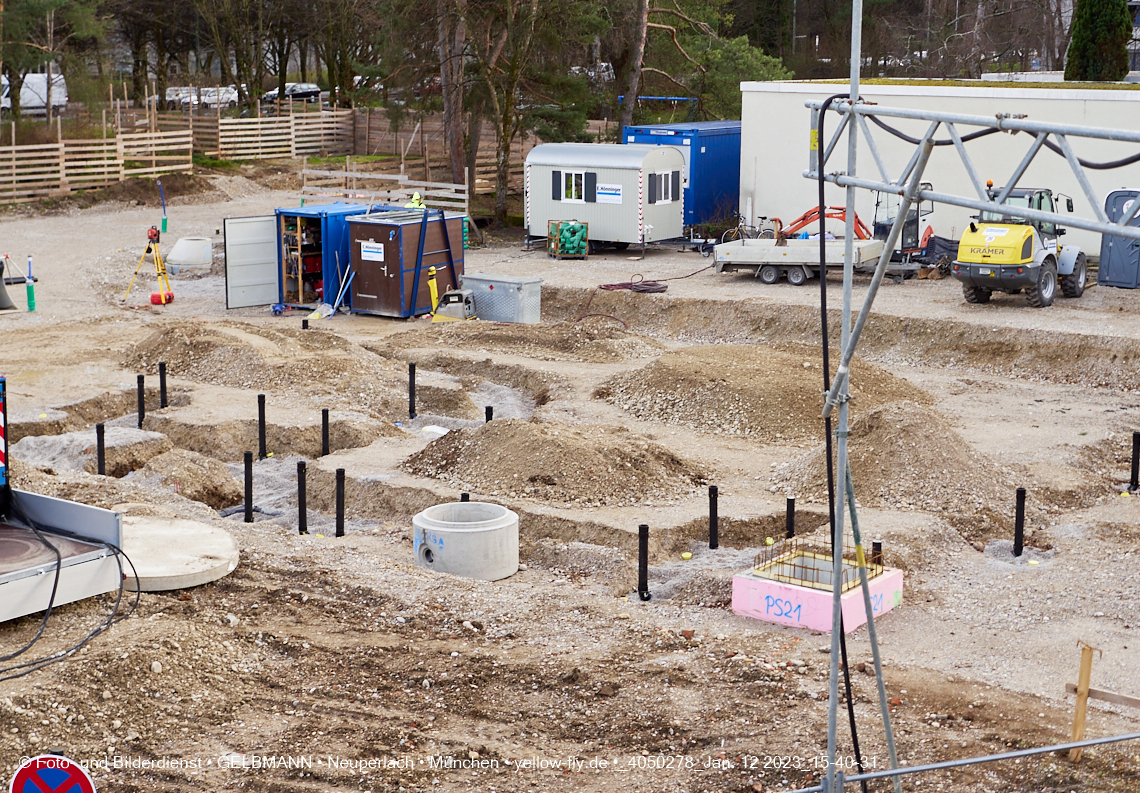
x,y
741,231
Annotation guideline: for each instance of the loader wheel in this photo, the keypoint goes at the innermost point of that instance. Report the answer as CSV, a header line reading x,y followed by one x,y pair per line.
x,y
1042,293
797,276
975,294
1074,285
769,274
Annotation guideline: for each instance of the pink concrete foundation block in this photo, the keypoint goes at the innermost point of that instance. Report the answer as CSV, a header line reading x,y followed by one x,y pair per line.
x,y
804,607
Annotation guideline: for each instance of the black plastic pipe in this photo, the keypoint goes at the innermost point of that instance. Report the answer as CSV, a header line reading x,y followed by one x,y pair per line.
x,y
464,497
643,562
790,519
248,487
324,432
100,450
411,390
261,455
142,399
877,553
1019,523
340,502
489,411
304,324
162,384
302,506
1134,483
714,521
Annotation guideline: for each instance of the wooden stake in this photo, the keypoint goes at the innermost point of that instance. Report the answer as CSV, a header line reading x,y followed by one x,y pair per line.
x,y
1082,699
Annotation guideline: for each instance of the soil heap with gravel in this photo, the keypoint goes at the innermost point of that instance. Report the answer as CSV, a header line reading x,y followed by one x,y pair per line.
x,y
905,456
581,466
750,390
240,355
590,341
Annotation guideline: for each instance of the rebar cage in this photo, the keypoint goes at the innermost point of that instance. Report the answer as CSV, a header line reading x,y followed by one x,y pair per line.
x,y
805,563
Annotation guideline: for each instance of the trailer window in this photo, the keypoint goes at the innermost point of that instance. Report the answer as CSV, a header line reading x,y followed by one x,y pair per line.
x,y
664,187
574,186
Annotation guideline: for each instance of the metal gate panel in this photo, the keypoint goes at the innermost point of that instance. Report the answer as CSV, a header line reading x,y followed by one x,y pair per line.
x,y
251,261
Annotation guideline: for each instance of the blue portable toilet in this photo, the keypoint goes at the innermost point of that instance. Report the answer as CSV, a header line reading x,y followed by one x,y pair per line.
x,y
711,180
1120,256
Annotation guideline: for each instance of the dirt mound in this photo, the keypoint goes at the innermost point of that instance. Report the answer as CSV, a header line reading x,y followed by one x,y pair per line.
x,y
906,456
750,390
591,340
240,355
585,466
194,476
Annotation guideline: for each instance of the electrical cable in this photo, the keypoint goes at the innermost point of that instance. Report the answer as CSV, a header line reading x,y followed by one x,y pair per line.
x,y
636,283
1050,145
20,670
827,424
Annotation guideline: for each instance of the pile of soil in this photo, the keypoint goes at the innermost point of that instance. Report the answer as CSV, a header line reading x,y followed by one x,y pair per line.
x,y
583,466
194,476
241,355
750,390
905,456
591,341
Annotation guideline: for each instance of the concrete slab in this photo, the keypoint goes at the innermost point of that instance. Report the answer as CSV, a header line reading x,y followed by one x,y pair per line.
x,y
803,607
169,553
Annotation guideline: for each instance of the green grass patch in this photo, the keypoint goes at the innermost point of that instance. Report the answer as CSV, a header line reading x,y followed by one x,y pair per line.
x,y
340,161
202,161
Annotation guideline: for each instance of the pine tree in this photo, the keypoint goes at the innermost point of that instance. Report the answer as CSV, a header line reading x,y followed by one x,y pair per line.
x,y
1098,50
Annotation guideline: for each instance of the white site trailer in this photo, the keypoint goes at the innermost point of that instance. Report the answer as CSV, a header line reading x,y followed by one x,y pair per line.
x,y
626,193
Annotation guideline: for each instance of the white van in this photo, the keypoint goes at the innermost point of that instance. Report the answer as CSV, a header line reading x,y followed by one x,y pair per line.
x,y
33,94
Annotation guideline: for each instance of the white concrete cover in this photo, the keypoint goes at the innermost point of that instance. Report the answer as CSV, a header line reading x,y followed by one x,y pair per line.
x,y
169,553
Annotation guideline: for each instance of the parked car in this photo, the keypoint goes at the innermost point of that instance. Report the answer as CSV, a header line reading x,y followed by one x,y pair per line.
x,y
33,94
298,92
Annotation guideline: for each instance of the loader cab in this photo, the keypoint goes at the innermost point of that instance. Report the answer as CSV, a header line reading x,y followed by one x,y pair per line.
x,y
1030,198
887,209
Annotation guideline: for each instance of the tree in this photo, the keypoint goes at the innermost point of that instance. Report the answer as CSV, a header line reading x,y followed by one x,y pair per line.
x,y
1098,50
36,32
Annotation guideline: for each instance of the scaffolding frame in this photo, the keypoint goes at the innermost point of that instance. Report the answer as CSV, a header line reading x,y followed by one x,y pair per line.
x,y
908,185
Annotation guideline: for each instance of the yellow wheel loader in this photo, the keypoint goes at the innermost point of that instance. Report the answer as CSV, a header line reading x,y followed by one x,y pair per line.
x,y
1001,252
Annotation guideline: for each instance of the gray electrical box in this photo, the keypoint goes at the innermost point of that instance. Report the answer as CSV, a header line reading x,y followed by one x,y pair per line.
x,y
506,298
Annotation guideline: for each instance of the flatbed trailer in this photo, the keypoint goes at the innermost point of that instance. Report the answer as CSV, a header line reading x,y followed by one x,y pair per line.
x,y
798,260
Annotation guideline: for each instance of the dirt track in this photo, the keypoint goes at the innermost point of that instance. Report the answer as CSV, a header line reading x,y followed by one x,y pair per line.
x,y
323,648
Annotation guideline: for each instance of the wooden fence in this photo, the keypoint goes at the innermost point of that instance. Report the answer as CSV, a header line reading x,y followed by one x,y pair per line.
x,y
54,169
384,188
298,134
421,146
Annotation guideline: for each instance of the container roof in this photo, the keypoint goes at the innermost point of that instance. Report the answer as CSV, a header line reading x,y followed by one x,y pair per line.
x,y
316,210
591,155
402,217
693,125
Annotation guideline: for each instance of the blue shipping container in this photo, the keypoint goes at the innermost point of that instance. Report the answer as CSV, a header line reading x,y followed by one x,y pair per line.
x,y
315,245
711,182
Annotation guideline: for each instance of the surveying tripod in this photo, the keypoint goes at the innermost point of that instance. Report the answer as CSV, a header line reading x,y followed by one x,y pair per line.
x,y
165,293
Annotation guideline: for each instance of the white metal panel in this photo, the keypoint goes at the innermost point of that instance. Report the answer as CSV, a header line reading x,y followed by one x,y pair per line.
x,y
251,261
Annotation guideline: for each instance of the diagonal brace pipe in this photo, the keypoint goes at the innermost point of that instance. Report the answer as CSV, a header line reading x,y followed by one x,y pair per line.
x,y
872,634
840,381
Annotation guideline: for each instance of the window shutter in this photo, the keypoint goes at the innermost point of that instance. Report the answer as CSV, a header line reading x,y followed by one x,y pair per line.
x,y
675,194
653,188
556,185
591,187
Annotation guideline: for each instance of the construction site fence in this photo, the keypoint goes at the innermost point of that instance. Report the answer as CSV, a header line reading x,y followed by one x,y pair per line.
x,y
384,188
56,169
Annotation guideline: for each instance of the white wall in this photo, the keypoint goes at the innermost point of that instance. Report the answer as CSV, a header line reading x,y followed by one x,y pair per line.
x,y
775,137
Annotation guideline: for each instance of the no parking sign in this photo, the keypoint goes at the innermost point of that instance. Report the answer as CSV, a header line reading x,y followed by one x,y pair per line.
x,y
51,774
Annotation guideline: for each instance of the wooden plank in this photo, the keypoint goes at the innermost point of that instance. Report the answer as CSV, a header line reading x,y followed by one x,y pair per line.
x,y
1082,699
1106,696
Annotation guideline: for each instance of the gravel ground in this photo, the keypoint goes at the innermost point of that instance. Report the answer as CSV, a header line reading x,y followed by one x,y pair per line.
x,y
379,676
